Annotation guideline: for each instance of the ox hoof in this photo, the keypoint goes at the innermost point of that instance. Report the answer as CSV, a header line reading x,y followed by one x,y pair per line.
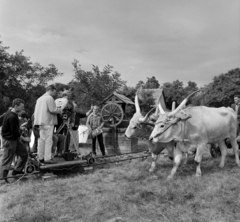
x,y
170,177
151,170
198,175
221,166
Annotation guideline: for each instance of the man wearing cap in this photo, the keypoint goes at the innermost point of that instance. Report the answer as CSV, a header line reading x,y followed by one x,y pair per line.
x,y
45,116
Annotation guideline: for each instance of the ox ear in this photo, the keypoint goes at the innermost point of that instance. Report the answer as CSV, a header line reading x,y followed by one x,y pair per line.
x,y
183,116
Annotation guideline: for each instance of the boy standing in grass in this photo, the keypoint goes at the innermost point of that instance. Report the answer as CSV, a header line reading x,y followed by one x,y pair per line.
x,y
94,122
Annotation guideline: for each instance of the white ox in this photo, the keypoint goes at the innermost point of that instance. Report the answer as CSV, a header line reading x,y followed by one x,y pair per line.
x,y
197,126
141,127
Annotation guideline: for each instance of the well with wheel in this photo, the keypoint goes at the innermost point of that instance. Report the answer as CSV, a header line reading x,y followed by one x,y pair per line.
x,y
113,114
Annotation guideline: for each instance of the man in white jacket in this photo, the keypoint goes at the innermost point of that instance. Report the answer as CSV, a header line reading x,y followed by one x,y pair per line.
x,y
45,116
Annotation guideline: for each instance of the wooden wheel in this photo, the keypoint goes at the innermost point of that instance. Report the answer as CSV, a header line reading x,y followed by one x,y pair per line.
x,y
112,114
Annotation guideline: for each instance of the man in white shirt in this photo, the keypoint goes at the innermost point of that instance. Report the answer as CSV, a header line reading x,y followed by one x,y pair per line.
x,y
45,116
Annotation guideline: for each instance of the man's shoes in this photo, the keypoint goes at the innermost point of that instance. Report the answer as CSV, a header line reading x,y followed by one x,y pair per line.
x,y
50,161
41,162
15,172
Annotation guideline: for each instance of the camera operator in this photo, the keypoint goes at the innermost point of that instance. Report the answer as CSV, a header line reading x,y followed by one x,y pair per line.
x,y
67,115
45,116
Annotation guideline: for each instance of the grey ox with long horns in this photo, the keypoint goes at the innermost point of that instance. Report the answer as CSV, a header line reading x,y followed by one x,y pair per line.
x,y
141,127
194,128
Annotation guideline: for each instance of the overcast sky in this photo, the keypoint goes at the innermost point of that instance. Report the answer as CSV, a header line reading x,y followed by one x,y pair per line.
x,y
188,40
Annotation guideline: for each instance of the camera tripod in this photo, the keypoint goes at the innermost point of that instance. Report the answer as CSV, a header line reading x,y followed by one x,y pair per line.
x,y
66,124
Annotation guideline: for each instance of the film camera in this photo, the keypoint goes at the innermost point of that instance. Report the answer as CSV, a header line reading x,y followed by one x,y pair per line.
x,y
66,107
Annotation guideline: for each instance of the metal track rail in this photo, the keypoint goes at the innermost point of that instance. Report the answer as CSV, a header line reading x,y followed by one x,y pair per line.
x,y
104,160
121,154
121,160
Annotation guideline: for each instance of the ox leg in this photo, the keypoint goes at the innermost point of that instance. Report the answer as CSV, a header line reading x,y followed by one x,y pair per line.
x,y
153,165
223,149
198,159
170,151
177,161
185,159
235,150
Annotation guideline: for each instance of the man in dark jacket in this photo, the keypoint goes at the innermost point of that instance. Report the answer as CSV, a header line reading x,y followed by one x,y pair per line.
x,y
11,141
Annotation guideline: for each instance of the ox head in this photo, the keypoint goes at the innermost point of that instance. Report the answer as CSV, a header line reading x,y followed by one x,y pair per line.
x,y
166,127
141,126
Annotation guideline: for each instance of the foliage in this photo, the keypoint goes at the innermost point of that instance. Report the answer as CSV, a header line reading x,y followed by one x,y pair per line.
x,y
176,91
92,87
173,92
221,91
20,78
151,83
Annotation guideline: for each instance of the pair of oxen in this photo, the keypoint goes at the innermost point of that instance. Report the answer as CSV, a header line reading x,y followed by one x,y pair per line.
x,y
185,130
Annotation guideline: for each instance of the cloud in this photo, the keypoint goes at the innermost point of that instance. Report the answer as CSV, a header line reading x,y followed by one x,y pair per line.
x,y
37,36
188,40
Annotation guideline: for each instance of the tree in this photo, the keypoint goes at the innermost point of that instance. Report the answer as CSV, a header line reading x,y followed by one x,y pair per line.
x,y
173,92
91,87
140,84
221,91
152,83
191,87
20,78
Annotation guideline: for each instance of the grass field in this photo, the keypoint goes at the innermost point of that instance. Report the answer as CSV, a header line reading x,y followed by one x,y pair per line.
x,y
127,192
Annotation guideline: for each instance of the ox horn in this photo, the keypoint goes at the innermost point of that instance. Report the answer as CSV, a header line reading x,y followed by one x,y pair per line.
x,y
160,106
137,105
182,105
157,108
161,109
144,119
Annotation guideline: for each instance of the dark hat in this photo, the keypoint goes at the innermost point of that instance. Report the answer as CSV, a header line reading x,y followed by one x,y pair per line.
x,y
23,115
67,92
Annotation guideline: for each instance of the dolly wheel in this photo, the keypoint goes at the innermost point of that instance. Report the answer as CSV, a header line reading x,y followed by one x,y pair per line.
x,y
30,169
90,160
